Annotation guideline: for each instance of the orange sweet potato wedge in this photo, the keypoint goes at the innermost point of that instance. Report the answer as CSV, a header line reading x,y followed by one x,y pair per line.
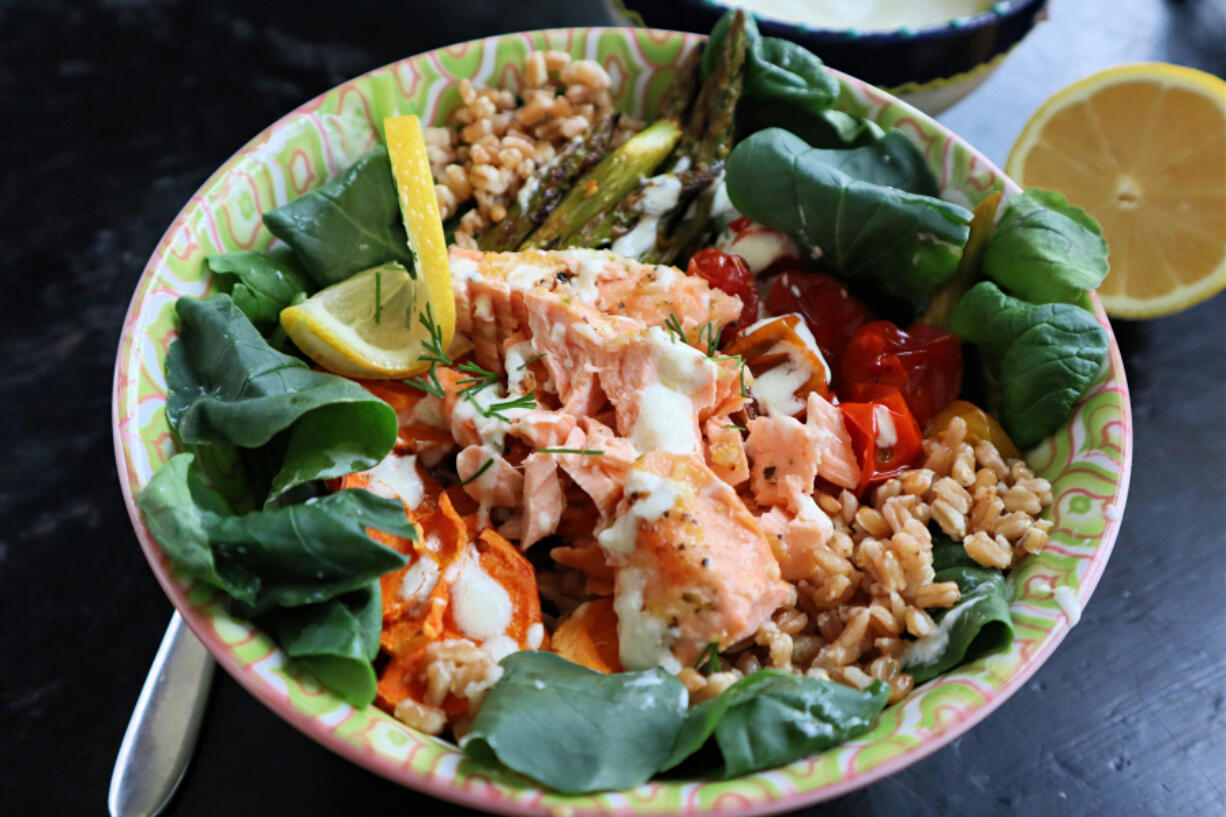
x,y
588,636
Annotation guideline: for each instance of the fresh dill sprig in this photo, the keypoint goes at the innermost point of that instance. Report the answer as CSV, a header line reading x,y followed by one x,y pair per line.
x,y
530,361
713,333
483,378
435,354
710,657
527,401
378,295
672,325
479,471
594,452
740,359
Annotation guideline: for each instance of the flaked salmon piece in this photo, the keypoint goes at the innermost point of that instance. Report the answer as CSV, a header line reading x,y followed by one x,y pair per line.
x,y
726,451
543,501
489,290
781,450
693,566
799,537
585,556
545,429
601,475
488,478
836,458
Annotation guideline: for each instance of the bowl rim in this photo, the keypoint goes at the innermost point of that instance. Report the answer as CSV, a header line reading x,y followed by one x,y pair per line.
x,y
487,797
997,12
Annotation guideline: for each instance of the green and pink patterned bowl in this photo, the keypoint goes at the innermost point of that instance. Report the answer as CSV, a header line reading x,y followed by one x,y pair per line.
x,y
1087,462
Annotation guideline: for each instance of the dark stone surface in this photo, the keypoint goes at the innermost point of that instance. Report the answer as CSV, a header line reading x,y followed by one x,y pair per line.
x,y
117,111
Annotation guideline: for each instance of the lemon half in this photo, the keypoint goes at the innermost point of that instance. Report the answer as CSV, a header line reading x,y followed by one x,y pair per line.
x,y
1142,148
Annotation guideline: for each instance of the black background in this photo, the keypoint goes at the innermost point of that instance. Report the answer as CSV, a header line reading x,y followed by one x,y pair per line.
x,y
115,112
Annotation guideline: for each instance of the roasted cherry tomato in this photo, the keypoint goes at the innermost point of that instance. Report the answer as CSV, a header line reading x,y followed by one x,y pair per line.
x,y
923,363
884,435
731,274
831,313
979,426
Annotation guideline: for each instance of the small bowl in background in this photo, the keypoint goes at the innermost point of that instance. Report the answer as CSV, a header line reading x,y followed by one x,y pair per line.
x,y
931,67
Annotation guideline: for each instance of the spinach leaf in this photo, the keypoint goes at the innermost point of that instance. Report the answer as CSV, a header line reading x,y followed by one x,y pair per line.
x,y
786,86
336,640
891,161
1045,249
946,552
775,719
301,554
347,226
701,720
977,625
261,284
907,243
1042,357
228,386
574,729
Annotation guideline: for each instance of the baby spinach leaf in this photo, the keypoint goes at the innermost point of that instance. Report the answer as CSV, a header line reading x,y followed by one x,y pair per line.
x,y
786,86
907,243
892,161
1042,357
347,226
946,552
574,729
1045,249
261,283
228,386
701,720
301,554
772,721
977,625
336,640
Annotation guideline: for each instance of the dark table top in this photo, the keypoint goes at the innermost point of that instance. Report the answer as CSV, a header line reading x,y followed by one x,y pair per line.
x,y
117,111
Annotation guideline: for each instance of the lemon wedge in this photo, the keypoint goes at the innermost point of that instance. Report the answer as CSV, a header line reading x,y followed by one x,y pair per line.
x,y
366,326
386,322
1142,148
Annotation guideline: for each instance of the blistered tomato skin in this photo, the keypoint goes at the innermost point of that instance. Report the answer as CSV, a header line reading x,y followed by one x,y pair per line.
x,y
884,435
730,274
829,310
923,363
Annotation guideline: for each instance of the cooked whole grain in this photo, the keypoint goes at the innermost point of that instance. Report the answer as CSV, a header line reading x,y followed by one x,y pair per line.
x,y
874,581
493,142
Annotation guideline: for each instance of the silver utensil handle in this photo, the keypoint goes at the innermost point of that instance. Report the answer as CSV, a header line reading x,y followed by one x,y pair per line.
x,y
162,732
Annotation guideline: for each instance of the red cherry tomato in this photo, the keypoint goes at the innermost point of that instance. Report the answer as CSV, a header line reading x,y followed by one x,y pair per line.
x,y
884,435
831,313
923,363
731,274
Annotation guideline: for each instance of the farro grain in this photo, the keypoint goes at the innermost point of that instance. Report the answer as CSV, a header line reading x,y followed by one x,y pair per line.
x,y
940,594
986,551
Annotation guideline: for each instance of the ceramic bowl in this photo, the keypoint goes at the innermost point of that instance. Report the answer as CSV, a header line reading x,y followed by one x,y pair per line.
x,y
1087,461
930,68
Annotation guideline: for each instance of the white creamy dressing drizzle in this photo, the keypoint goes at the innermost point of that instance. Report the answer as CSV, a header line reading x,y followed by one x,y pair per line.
x,y
928,650
665,408
524,197
887,435
644,640
586,266
653,496
660,195
775,390
396,477
1067,599
517,355
419,581
802,331
722,211
480,606
865,15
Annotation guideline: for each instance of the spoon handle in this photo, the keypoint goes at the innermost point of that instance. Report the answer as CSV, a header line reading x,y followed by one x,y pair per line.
x,y
162,733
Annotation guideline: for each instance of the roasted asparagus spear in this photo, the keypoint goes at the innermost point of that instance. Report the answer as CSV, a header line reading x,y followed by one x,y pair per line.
x,y
542,193
606,184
